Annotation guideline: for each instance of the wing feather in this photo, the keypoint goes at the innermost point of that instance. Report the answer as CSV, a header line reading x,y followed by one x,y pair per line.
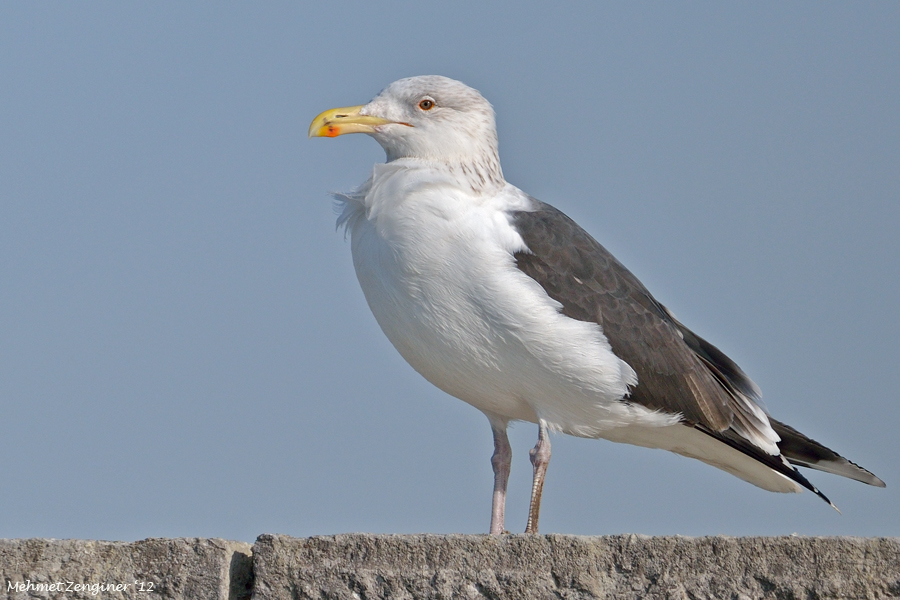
x,y
678,371
579,273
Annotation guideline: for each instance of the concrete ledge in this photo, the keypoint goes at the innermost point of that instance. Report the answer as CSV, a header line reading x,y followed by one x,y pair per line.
x,y
368,567
151,569
557,566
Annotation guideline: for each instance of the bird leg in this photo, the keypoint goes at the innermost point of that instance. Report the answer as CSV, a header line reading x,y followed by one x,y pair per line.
x,y
500,462
540,458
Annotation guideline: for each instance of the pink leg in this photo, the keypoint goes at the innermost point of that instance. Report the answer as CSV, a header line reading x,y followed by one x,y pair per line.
x,y
500,462
540,458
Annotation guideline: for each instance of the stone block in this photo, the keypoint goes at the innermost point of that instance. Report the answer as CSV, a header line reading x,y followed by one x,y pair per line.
x,y
152,569
361,566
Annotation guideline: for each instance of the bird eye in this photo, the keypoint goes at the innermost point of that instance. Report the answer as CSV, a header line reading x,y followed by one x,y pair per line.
x,y
426,104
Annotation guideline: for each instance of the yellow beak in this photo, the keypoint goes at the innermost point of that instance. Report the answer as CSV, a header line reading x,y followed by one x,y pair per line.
x,y
339,121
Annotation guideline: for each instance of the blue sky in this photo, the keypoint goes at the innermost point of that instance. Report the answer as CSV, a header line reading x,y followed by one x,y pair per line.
x,y
184,350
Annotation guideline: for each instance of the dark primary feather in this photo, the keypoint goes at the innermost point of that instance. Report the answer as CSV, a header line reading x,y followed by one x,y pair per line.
x,y
776,463
678,371
806,452
725,369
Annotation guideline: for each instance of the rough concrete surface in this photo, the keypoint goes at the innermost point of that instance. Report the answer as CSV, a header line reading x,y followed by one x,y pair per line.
x,y
366,567
151,569
369,567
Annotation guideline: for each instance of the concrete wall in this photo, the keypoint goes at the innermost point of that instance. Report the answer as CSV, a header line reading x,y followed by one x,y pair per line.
x,y
362,566
149,569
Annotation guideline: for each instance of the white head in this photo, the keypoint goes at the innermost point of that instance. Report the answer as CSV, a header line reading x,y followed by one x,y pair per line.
x,y
430,118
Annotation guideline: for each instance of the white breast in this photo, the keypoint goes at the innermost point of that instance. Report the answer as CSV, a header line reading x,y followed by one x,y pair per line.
x,y
436,265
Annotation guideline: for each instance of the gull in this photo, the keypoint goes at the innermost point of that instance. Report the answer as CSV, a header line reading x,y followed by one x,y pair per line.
x,y
506,303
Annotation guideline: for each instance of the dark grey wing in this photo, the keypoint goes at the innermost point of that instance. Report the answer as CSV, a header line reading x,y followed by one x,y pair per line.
x,y
745,396
678,371
593,286
725,369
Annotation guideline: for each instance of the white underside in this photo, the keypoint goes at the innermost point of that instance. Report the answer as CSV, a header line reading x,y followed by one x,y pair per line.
x,y
692,443
436,265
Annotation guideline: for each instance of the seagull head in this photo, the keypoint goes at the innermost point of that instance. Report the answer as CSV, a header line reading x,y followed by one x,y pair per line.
x,y
430,118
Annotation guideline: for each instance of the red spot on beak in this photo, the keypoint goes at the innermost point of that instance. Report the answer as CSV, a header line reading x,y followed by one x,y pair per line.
x,y
333,131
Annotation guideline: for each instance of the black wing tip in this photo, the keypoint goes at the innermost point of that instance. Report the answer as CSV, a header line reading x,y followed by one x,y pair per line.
x,y
839,466
792,472
872,479
806,483
779,463
804,451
